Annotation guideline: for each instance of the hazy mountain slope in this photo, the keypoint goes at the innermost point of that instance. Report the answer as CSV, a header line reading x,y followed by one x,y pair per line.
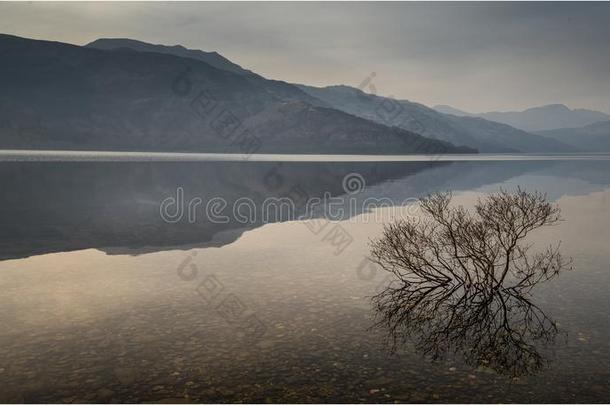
x,y
211,58
57,95
447,109
590,138
552,116
335,131
486,136
214,59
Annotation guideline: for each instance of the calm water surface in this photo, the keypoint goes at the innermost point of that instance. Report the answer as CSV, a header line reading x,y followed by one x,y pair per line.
x,y
104,301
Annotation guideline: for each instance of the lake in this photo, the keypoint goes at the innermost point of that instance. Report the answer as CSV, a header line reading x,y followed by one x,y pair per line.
x,y
180,278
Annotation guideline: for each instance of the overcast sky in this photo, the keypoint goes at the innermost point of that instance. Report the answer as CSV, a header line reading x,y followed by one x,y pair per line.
x,y
473,56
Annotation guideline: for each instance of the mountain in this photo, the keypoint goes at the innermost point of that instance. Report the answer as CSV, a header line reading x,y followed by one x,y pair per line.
x,y
211,58
334,131
552,116
464,132
590,138
60,96
485,135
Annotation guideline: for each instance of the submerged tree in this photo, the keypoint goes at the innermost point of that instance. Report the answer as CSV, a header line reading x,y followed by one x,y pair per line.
x,y
463,279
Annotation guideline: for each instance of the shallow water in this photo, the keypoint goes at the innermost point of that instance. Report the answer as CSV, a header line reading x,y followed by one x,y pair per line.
x,y
102,300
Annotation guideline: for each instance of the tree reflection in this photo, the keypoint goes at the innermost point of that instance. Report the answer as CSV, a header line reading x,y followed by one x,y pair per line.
x,y
463,280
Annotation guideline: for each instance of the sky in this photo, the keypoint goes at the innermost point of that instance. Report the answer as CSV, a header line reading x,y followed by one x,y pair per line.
x,y
474,56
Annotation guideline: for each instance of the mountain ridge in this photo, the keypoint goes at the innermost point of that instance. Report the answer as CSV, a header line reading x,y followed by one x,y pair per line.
x,y
62,96
589,138
212,58
462,127
485,135
534,119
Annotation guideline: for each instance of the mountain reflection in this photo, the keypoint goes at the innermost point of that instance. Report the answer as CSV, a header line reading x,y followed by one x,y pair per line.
x,y
63,206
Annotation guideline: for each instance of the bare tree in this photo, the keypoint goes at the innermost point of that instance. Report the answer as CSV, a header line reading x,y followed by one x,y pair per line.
x,y
463,280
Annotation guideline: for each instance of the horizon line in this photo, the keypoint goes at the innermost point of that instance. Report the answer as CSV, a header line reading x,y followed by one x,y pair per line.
x,y
40,155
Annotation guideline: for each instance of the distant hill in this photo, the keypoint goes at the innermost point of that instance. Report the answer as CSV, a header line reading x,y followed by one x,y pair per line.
x,y
485,135
553,116
590,138
60,96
